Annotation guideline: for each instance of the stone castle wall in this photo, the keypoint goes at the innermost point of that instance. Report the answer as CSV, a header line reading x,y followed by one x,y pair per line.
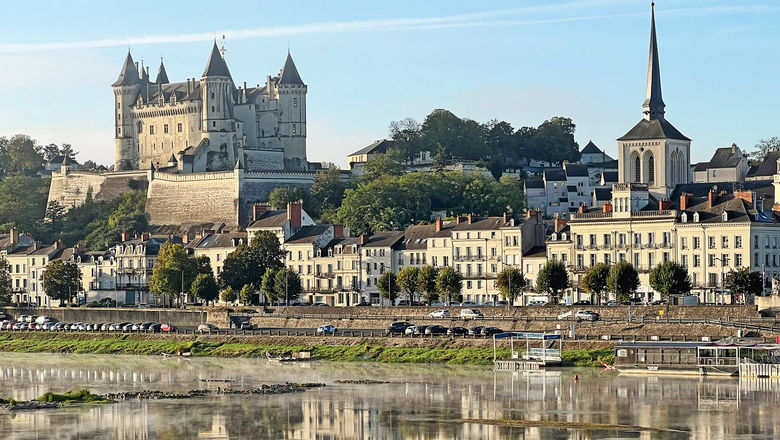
x,y
173,199
70,188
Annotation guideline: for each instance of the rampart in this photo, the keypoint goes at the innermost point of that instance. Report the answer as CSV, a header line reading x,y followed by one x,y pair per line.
x,y
181,318
173,199
70,188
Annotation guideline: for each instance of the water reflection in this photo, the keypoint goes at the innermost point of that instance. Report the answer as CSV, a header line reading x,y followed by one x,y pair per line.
x,y
420,402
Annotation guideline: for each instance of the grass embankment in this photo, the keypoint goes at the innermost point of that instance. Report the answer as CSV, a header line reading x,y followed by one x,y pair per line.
x,y
365,352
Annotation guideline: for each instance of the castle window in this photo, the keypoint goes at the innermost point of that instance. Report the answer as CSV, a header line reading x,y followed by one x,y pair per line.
x,y
214,123
178,127
165,128
119,130
295,102
212,108
151,129
212,97
295,128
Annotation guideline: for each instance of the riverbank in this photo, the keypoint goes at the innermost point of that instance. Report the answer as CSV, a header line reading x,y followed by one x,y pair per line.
x,y
439,351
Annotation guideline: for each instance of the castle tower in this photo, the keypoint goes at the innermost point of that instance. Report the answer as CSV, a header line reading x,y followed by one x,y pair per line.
x,y
126,90
218,122
162,75
291,92
654,152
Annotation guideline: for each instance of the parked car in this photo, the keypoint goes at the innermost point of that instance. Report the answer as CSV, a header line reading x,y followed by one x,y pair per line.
x,y
397,328
436,330
611,303
168,328
6,325
658,302
471,314
207,328
327,329
439,314
458,331
128,327
409,330
419,330
363,304
246,325
583,302
18,326
154,328
476,331
537,303
320,304
468,303
490,331
587,315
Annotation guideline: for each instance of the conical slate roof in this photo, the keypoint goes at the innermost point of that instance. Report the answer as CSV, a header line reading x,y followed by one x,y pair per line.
x,y
129,73
216,65
162,75
290,73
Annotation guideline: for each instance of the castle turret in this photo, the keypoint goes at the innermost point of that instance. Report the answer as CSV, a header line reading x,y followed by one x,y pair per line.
x,y
126,90
162,75
217,92
291,92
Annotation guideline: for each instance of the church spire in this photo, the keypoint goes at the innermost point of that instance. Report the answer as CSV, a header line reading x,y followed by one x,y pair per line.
x,y
162,75
654,103
129,73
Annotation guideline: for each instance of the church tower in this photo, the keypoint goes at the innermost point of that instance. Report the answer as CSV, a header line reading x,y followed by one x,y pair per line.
x,y
218,122
654,152
126,90
291,92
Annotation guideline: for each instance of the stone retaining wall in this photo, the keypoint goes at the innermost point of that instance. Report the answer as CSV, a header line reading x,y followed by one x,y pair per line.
x,y
180,318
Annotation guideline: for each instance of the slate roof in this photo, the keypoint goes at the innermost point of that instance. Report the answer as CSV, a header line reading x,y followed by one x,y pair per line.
x,y
536,252
602,194
416,236
724,158
346,241
307,234
766,168
737,208
484,223
609,176
653,129
270,219
576,170
211,241
216,65
591,148
289,74
384,239
129,73
378,146
701,166
537,184
554,174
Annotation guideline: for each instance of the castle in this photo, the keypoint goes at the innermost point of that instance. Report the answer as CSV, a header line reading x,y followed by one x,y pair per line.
x,y
205,149
209,124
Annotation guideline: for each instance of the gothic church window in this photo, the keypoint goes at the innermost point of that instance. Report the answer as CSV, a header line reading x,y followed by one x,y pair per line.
x,y
651,169
637,169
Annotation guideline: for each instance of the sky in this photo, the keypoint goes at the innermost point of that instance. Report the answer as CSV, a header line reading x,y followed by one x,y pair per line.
x,y
369,63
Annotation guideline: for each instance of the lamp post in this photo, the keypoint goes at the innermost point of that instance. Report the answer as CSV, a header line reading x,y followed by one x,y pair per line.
x,y
722,281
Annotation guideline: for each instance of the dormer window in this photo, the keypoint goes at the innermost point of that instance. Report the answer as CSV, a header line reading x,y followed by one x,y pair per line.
x,y
684,217
563,236
724,216
554,236
696,217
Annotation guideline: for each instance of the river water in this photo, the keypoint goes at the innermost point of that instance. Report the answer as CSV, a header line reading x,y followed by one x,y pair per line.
x,y
419,402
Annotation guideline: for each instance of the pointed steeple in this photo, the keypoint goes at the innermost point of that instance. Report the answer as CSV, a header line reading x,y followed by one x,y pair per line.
x,y
289,73
654,103
129,73
162,75
216,65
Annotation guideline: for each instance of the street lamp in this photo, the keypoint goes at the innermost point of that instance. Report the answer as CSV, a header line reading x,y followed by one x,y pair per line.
x,y
722,281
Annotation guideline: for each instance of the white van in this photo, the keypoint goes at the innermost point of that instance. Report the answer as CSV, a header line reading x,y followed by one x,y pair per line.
x,y
471,314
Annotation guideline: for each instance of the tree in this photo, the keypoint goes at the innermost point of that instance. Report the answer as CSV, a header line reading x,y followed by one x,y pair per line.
x,y
248,263
23,202
5,283
267,284
512,283
449,282
552,279
247,294
20,155
173,271
426,283
88,165
407,136
287,284
203,264
623,280
327,192
61,280
205,287
390,163
281,196
744,282
763,148
50,151
408,281
670,278
595,281
228,295
388,287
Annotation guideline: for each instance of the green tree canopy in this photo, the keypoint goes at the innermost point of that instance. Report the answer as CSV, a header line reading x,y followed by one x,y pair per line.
x,y
267,284
743,281
228,295
426,283
512,283
595,281
173,271
763,148
205,287
327,192
552,279
5,284
449,283
248,263
408,281
670,278
388,287
390,163
623,280
61,280
281,196
287,284
247,294
20,155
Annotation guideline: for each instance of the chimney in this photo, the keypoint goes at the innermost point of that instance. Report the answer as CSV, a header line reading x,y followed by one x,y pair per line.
x,y
189,90
470,218
338,231
507,216
607,207
363,238
664,204
125,236
259,208
685,201
145,236
439,224
712,197
294,214
458,219
185,238
560,223
59,244
583,209
13,237
733,148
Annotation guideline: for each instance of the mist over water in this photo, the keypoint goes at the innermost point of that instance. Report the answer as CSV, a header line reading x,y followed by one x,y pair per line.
x,y
420,402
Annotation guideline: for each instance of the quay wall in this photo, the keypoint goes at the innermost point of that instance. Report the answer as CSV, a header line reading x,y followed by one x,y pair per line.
x,y
180,318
